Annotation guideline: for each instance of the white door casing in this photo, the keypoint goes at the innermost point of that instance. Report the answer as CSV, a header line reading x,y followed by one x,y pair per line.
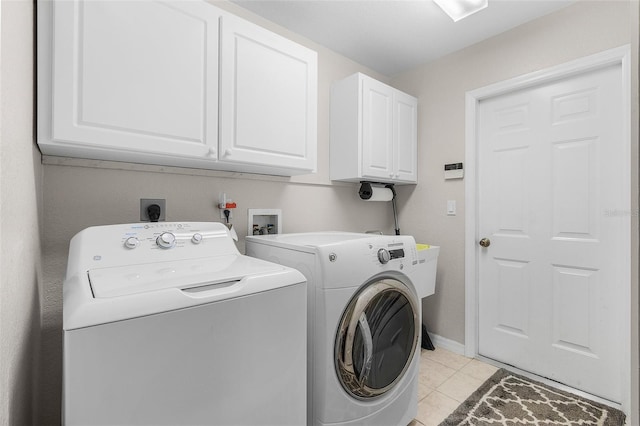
x,y
550,187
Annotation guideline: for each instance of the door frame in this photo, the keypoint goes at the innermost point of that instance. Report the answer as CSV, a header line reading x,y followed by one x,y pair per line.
x,y
617,56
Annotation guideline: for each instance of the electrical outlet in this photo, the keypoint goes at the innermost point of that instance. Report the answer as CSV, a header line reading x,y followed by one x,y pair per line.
x,y
146,202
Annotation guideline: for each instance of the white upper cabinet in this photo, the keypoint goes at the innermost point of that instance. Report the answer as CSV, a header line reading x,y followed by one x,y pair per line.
x,y
128,79
373,132
140,81
268,97
377,129
405,134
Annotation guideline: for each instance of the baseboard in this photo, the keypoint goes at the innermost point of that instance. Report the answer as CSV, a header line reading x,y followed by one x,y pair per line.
x,y
448,344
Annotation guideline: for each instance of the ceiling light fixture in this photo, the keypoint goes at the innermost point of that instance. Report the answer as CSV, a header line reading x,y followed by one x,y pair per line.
x,y
459,9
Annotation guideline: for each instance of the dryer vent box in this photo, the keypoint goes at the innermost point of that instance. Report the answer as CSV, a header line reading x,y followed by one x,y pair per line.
x,y
264,221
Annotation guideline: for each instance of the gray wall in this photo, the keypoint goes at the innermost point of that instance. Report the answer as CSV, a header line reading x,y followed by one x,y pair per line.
x,y
80,193
20,178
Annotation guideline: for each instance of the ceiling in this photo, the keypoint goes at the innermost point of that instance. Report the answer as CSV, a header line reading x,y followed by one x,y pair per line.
x,y
391,36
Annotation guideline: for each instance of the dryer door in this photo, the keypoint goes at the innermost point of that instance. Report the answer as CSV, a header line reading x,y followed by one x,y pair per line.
x,y
377,338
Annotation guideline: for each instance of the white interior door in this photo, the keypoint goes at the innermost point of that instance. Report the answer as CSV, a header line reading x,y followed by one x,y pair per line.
x,y
551,179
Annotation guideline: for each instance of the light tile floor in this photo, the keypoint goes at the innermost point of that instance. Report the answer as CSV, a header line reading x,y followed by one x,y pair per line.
x,y
446,380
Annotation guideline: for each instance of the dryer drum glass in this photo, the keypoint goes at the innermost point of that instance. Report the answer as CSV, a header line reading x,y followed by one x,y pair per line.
x,y
391,321
377,339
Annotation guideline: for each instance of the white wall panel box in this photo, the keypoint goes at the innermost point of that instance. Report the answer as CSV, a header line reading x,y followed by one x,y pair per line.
x,y
264,221
453,171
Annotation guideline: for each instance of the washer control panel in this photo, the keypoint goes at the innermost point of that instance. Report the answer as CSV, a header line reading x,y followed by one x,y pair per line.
x,y
166,240
142,243
131,242
168,235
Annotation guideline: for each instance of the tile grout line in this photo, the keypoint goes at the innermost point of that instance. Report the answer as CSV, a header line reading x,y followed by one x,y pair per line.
x,y
449,362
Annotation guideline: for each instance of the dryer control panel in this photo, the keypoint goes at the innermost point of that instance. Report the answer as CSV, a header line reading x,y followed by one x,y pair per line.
x,y
392,252
385,255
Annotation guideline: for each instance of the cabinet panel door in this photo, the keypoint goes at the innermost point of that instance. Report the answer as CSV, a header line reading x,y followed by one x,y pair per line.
x,y
137,76
377,130
405,137
268,98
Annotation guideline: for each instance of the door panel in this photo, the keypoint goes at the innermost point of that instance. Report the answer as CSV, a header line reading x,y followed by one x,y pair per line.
x,y
574,192
574,328
513,291
550,290
513,207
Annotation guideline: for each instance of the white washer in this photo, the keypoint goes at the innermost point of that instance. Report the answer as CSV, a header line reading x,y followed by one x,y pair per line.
x,y
364,323
167,324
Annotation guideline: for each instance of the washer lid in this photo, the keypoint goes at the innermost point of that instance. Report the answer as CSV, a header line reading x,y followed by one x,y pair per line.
x,y
181,274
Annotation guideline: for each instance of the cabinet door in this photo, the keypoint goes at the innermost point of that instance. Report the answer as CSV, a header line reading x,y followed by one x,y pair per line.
x,y
405,137
377,130
135,76
268,98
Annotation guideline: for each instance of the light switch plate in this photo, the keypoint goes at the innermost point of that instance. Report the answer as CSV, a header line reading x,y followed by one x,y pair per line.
x,y
451,207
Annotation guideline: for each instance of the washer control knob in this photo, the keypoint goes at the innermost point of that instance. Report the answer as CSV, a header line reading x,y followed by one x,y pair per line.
x,y
166,240
131,242
384,256
197,238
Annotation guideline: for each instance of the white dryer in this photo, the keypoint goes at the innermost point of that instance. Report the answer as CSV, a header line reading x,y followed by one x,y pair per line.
x,y
168,324
364,323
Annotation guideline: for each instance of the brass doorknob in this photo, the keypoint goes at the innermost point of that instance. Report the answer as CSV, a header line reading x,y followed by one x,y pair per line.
x,y
485,242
